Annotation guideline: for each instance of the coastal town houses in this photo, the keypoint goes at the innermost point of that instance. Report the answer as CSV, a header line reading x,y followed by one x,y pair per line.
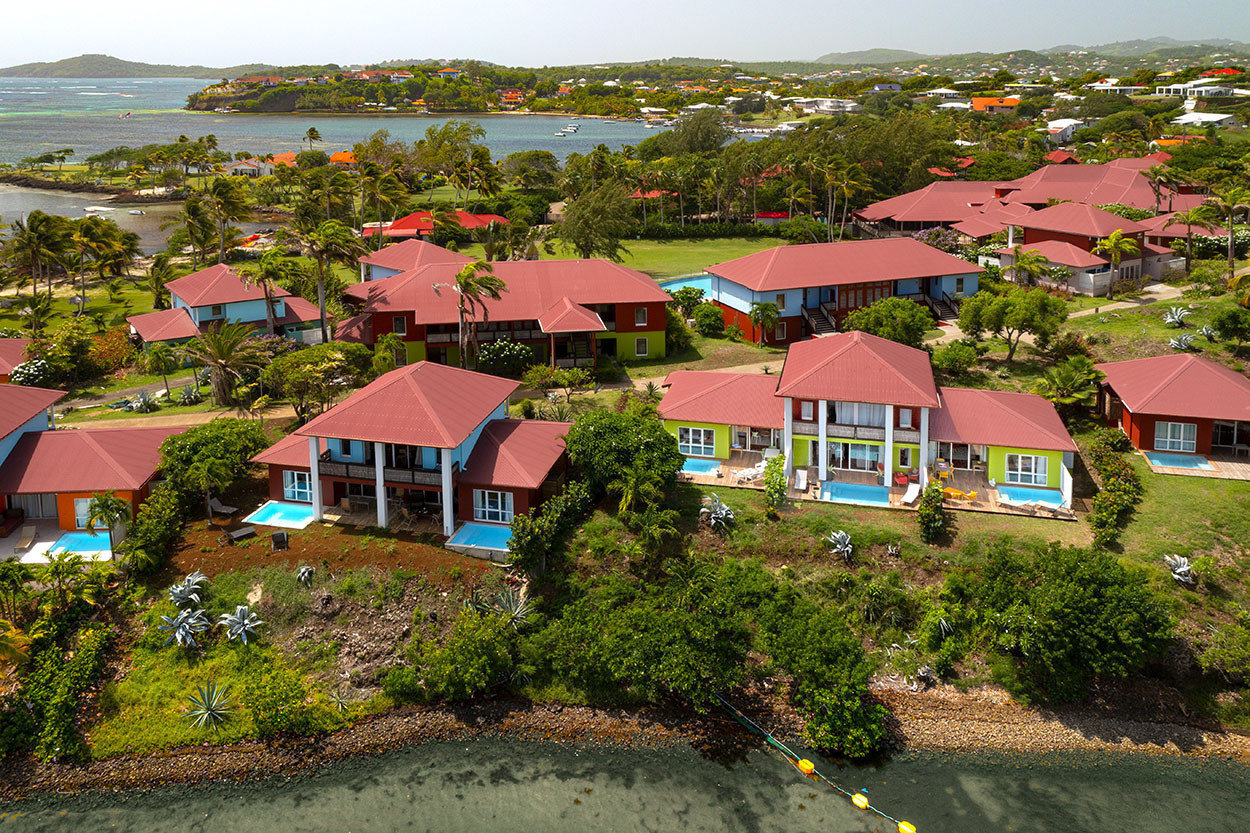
x,y
861,420
48,477
423,440
421,224
12,353
219,294
816,285
406,256
568,312
1186,414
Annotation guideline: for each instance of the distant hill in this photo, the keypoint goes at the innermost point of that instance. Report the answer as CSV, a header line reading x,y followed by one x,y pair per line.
x,y
1148,46
106,66
871,56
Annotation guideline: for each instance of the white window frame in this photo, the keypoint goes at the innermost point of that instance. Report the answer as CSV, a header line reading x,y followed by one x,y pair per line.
x,y
1177,436
1034,473
297,486
490,506
910,454
779,334
640,316
904,417
807,411
645,344
399,325
695,441
781,302
216,310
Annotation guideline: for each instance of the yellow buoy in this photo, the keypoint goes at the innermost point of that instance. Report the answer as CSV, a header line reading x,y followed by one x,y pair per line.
x,y
860,800
906,827
806,767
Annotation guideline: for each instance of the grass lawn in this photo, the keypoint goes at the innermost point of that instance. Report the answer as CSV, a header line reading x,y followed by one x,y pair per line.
x,y
708,354
670,258
102,414
1140,332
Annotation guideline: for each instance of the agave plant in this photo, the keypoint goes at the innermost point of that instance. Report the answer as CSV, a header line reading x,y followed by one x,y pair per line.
x,y
512,604
840,544
209,708
1176,316
719,517
1209,333
144,403
340,700
184,627
1181,342
894,550
304,575
188,591
241,624
1181,569
190,395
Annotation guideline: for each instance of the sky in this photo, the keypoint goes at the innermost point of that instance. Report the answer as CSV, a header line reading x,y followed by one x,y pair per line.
x,y
561,32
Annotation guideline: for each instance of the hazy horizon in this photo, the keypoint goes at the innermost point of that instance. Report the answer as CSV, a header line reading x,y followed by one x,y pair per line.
x,y
561,32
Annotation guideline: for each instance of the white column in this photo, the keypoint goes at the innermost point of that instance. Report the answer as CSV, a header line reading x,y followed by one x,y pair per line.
x,y
314,470
362,270
822,414
924,447
787,445
379,461
449,523
889,445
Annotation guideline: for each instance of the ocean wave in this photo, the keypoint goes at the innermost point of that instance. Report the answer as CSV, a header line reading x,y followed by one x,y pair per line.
x,y
85,87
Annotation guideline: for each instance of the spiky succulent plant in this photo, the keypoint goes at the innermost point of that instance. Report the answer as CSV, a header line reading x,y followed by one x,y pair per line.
x,y
1176,316
304,575
185,627
1209,333
894,550
719,517
241,624
840,544
1181,569
513,605
189,591
1181,342
209,707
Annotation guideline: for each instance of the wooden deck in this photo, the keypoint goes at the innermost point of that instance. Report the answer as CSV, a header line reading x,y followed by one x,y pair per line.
x,y
366,516
1222,467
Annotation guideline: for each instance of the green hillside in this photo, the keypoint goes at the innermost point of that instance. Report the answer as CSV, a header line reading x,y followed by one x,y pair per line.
x,y
871,56
106,66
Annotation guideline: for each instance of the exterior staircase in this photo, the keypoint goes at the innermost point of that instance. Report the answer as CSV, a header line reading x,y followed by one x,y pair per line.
x,y
943,309
820,323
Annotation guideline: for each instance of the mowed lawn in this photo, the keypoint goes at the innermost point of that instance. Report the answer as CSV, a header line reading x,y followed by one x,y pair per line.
x,y
670,258
1141,332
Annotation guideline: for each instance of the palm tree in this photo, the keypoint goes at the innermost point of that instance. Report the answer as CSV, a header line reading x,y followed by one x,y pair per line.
x,y
1200,216
208,475
330,243
329,188
1157,176
472,282
1229,203
108,510
14,644
1029,264
195,220
386,353
1071,386
86,241
271,268
162,359
226,349
36,314
310,136
849,186
64,578
636,485
226,202
765,316
160,273
38,242
1115,246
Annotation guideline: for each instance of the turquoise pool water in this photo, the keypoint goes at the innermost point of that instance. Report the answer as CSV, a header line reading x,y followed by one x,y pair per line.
x,y
282,514
857,493
700,465
1024,494
484,536
1179,461
83,543
703,282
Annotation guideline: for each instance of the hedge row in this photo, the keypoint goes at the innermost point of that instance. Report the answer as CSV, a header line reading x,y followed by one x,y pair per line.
x,y
1121,487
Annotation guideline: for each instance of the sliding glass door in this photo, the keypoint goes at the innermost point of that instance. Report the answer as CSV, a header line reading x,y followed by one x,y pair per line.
x,y
854,456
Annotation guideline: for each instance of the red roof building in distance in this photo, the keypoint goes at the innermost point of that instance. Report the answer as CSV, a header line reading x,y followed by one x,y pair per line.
x,y
1117,182
993,104
566,311
1165,229
936,204
12,353
1061,157
421,224
429,437
816,285
1215,73
1178,404
406,256
285,158
343,159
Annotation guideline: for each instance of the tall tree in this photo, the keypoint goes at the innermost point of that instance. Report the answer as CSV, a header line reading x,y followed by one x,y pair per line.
x,y
471,283
226,350
1230,202
1200,216
226,202
266,275
106,509
594,224
328,244
311,135
1115,246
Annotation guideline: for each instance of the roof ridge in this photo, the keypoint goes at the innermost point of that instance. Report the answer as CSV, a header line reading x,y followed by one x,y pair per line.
x,y
1016,414
425,402
108,458
803,377
715,386
1181,366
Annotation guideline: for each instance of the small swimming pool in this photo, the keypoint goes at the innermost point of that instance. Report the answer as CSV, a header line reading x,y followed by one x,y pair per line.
x,y
859,494
703,282
84,543
282,514
700,465
1179,461
1025,494
481,536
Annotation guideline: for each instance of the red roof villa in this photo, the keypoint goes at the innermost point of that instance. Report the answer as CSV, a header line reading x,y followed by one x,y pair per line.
x,y
218,294
816,285
424,439
421,224
12,353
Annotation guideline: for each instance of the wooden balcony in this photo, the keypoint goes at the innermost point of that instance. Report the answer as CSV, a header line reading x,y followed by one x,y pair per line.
x,y
838,431
405,477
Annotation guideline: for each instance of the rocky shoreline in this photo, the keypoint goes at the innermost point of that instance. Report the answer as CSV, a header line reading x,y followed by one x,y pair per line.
x,y
940,720
39,183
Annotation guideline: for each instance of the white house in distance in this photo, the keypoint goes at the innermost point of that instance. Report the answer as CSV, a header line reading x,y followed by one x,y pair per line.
x,y
1205,120
943,92
1060,131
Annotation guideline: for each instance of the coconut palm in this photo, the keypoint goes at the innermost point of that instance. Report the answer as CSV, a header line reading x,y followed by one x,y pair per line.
x,y
265,275
162,359
226,349
87,240
194,218
328,244
108,510
36,314
850,185
311,135
14,644
471,283
1029,264
1200,216
160,272
764,317
1115,246
208,475
226,202
37,243
636,485
1071,386
1229,203
329,188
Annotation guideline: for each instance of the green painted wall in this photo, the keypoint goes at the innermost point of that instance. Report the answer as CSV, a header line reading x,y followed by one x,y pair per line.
x,y
625,344
416,351
998,463
802,451
720,432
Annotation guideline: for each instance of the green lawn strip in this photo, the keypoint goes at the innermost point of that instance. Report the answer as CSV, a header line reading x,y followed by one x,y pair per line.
x,y
670,258
1140,332
708,354
102,414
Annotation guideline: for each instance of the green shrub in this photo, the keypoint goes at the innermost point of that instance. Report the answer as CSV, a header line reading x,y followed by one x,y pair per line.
x,y
734,333
774,485
50,693
474,657
687,298
1121,487
897,319
603,445
278,702
403,685
956,358
931,516
535,535
709,320
157,525
504,357
677,336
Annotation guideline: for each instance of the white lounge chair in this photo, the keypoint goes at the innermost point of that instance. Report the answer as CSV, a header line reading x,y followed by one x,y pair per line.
x,y
220,508
28,538
913,492
800,480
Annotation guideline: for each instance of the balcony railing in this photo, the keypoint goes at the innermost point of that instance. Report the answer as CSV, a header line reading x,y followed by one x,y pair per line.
x,y
355,471
838,431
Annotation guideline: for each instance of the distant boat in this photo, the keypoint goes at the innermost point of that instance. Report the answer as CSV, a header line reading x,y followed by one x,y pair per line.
x,y
92,209
137,211
559,134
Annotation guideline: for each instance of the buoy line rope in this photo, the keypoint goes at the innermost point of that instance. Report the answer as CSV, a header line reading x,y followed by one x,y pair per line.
x,y
859,799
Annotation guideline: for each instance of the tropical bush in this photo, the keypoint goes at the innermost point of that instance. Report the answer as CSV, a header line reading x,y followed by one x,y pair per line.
x,y
932,518
504,357
709,320
897,319
537,534
603,445
774,485
677,335
47,717
1121,487
956,358
278,702
474,657
156,526
687,299
32,373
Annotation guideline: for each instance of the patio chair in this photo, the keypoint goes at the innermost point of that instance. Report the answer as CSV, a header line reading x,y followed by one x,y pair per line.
x,y
913,492
237,535
279,540
800,480
346,505
221,508
28,538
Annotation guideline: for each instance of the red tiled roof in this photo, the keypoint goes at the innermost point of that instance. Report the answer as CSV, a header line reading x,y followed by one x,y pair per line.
x,y
19,404
1166,225
284,158
291,452
343,157
12,353
422,222
1181,385
937,202
412,254
164,325
515,453
86,460
422,404
1001,418
858,367
1078,218
993,217
980,103
297,311
218,285
1119,181
723,398
358,328
568,317
851,261
1062,253
532,288
1060,157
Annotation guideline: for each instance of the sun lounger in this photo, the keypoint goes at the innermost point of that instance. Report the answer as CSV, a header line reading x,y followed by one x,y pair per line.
x,y
28,538
913,492
279,540
237,535
800,479
220,508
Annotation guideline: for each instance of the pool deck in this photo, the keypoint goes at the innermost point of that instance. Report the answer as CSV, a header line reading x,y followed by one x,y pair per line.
x,y
47,532
1222,467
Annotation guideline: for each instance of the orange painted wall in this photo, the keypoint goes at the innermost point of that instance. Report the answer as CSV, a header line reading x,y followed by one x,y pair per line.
x,y
65,505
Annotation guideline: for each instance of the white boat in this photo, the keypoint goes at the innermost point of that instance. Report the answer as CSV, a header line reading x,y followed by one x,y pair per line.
x,y
137,211
559,134
92,209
